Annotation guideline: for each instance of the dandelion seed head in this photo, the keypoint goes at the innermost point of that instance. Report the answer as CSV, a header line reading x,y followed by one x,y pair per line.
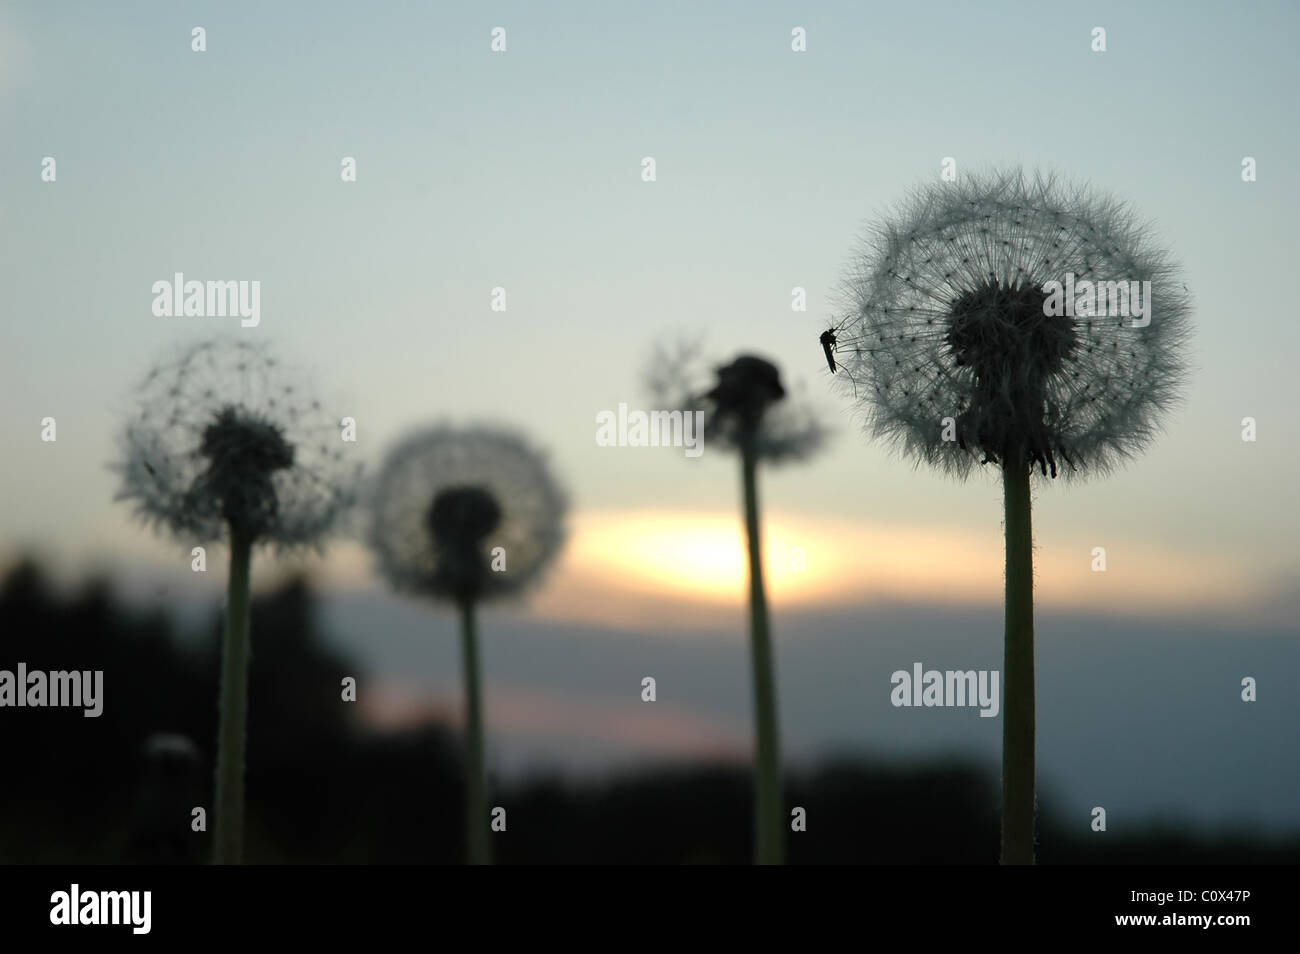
x,y
735,398
447,497
945,317
746,388
213,443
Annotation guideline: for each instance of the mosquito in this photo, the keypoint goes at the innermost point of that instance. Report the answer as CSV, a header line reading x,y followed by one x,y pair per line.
x,y
827,340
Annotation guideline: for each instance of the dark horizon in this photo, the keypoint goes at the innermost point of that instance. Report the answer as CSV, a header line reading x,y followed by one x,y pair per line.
x,y
942,806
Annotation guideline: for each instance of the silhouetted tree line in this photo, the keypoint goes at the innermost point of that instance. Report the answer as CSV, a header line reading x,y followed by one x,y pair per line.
x,y
324,788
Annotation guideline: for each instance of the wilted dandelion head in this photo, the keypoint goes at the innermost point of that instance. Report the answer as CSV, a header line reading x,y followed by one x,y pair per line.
x,y
955,346
447,497
741,400
224,437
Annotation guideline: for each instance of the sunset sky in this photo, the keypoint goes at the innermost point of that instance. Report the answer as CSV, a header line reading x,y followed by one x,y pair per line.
x,y
522,170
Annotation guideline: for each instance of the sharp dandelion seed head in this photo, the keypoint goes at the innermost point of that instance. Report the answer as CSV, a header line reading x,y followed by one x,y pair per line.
x,y
1038,318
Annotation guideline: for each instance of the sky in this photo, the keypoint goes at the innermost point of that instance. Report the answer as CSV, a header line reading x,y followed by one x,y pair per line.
x,y
522,170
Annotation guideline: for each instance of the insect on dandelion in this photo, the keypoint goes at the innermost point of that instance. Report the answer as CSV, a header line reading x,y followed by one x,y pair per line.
x,y
961,349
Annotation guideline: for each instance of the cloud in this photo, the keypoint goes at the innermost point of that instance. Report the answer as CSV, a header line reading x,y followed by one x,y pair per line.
x,y
683,568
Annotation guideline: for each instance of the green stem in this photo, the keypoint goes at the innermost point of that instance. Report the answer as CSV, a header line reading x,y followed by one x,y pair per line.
x,y
233,712
769,834
1018,671
476,810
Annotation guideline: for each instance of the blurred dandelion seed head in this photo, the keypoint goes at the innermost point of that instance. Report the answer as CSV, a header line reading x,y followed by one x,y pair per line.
x,y
743,395
945,317
463,515
446,497
243,451
224,436
459,522
746,388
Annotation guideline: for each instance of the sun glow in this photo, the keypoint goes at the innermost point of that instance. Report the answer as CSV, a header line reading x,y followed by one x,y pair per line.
x,y
698,555
628,567
703,556
679,570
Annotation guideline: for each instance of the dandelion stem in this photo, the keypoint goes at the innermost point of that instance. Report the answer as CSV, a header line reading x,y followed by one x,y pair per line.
x,y
232,731
769,840
476,813
1018,670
